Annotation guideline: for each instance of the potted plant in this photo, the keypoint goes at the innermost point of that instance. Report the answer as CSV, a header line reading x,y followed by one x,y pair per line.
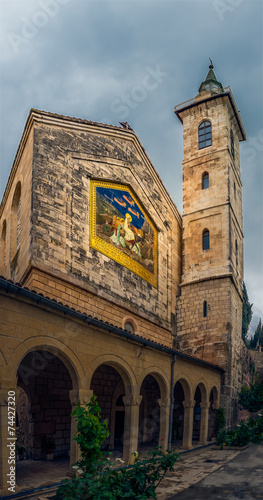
x,y
48,445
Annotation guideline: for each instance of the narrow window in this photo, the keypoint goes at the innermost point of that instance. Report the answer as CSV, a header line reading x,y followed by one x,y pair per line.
x,y
3,249
232,143
204,134
236,253
206,242
205,181
16,221
235,190
205,309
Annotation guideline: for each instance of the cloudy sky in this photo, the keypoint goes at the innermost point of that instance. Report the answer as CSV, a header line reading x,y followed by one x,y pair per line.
x,y
92,59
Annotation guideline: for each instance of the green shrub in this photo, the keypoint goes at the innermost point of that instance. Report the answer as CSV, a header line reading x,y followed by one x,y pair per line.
x,y
248,431
138,481
251,398
100,479
91,433
220,420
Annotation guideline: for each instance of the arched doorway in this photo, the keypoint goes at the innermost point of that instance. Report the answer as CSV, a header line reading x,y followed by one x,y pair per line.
x,y
212,413
44,382
178,415
107,384
149,417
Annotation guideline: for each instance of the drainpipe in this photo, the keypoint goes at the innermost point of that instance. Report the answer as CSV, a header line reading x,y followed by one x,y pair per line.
x,y
171,404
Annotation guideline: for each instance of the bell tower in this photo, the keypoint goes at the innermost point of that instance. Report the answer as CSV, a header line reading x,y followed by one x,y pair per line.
x,y
209,318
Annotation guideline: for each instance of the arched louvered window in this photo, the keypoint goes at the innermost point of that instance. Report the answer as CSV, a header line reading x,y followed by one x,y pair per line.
x,y
232,143
3,250
206,240
16,221
205,181
204,134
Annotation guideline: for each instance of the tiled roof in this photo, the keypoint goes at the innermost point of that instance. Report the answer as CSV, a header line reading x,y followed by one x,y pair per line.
x,y
8,284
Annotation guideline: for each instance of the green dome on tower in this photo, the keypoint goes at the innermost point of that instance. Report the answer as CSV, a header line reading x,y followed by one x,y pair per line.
x,y
211,84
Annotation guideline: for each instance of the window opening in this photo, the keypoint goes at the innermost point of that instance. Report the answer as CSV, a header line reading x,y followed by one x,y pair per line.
x,y
232,143
204,134
205,309
206,242
129,327
205,181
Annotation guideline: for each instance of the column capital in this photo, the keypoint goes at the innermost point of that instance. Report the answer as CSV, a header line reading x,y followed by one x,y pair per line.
x,y
132,400
190,403
205,405
164,402
215,406
82,395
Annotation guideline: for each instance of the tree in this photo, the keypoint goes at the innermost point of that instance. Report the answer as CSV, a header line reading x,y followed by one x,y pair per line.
x,y
246,313
251,397
258,336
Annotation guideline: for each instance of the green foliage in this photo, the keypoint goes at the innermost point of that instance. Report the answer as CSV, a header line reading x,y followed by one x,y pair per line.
x,y
257,340
246,313
248,431
101,479
91,433
220,420
138,481
251,398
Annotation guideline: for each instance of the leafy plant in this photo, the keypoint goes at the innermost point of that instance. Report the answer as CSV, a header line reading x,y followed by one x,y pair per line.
x,y
247,431
251,398
220,420
138,481
102,479
91,433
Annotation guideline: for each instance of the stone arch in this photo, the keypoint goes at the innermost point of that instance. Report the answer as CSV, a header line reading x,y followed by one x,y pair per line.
x,y
203,389
160,377
128,319
52,346
216,396
213,407
153,408
120,365
187,386
200,417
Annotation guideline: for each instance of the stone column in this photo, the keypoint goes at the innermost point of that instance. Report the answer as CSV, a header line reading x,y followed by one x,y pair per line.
x,y
164,423
76,395
8,442
131,426
187,443
204,422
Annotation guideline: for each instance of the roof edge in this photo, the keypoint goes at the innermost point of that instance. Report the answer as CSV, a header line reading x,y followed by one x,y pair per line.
x,y
18,289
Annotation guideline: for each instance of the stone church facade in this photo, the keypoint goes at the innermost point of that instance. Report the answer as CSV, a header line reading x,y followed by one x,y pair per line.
x,y
105,289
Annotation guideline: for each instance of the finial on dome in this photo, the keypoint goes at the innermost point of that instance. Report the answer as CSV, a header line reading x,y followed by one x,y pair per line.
x,y
211,84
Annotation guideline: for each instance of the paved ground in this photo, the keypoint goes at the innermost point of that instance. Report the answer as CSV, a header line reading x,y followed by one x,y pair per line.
x,y
239,478
207,473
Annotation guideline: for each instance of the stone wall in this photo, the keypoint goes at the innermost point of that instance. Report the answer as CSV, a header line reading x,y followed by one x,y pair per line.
x,y
64,162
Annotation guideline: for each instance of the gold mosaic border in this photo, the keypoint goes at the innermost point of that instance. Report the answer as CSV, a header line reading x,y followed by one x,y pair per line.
x,y
114,253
